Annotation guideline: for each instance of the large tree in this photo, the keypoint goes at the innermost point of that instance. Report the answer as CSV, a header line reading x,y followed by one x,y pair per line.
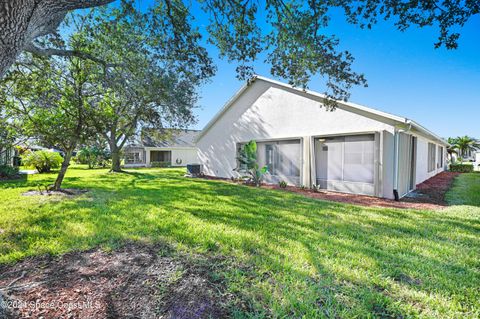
x,y
49,99
153,75
293,40
23,21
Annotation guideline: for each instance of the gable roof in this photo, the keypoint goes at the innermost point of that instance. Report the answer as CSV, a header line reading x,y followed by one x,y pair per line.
x,y
341,104
166,138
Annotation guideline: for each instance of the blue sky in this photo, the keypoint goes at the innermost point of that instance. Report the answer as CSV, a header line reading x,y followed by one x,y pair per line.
x,y
406,75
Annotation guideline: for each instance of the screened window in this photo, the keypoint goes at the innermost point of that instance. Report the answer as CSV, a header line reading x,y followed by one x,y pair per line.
x,y
281,157
431,157
358,160
161,156
440,157
133,158
348,159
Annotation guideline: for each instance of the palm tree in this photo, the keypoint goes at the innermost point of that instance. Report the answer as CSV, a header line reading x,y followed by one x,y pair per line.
x,y
451,149
465,145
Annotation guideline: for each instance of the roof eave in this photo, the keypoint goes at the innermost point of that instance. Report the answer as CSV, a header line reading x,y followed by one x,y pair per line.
x,y
387,116
427,132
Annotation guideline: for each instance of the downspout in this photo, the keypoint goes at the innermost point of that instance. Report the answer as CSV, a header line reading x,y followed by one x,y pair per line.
x,y
396,142
395,165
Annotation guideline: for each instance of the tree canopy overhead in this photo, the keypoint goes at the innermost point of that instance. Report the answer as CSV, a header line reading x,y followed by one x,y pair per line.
x,y
293,41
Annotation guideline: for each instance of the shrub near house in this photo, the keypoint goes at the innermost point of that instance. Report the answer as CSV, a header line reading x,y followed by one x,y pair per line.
x,y
461,168
43,161
160,164
7,171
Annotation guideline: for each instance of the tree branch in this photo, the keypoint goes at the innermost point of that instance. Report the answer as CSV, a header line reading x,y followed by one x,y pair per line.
x,y
66,53
79,4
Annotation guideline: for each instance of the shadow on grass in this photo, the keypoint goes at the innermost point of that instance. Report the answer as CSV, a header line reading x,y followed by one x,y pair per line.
x,y
310,256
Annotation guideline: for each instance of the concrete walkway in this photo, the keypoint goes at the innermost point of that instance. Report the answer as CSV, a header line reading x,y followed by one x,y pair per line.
x,y
27,171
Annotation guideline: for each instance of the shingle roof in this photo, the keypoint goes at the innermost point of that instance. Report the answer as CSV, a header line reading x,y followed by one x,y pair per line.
x,y
166,138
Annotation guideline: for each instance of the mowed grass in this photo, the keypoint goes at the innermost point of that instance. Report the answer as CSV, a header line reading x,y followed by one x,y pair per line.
x,y
293,257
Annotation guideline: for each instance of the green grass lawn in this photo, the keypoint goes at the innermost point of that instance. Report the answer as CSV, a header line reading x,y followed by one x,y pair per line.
x,y
293,256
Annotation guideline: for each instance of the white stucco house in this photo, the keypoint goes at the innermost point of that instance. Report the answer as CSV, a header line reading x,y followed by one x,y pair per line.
x,y
353,149
171,147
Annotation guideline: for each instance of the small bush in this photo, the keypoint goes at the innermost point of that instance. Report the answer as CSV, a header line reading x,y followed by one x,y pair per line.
x,y
160,164
93,157
282,184
8,171
461,168
43,161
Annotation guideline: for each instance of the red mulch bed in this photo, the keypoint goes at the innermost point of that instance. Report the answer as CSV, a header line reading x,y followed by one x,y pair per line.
x,y
132,282
433,190
429,194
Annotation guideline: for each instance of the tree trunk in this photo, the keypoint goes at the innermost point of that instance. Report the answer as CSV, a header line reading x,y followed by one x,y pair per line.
x,y
22,21
63,170
115,158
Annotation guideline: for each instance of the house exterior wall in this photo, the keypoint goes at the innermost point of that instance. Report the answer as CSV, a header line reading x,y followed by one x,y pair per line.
x,y
422,173
184,155
6,156
266,111
476,166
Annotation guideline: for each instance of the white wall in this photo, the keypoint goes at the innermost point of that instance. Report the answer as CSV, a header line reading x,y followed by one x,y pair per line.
x,y
188,155
267,111
422,173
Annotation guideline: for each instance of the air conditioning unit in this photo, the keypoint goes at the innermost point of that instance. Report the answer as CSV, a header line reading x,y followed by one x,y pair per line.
x,y
194,169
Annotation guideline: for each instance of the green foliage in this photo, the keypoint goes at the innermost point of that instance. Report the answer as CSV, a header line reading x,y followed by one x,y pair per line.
x,y
283,184
93,156
461,168
462,145
43,161
160,164
7,171
153,73
49,99
290,256
291,35
247,159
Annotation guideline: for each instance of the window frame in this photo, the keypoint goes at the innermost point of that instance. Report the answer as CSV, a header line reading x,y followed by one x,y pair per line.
x,y
345,140
440,162
431,157
273,178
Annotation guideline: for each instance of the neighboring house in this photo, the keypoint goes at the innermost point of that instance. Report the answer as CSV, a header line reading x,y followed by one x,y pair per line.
x,y
171,147
467,156
353,149
6,156
33,145
477,161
